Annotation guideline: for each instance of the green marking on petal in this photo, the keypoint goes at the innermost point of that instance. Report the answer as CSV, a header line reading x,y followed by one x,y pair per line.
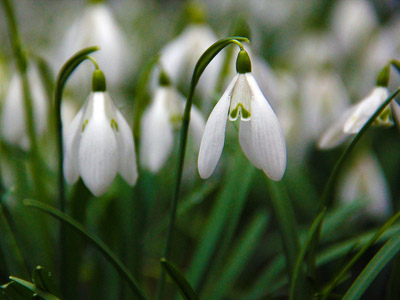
x,y
114,125
84,124
234,113
384,119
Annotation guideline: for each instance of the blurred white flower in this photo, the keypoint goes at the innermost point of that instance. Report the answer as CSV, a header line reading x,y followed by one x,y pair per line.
x,y
355,118
365,181
323,98
260,134
179,57
97,27
352,22
13,116
157,125
99,144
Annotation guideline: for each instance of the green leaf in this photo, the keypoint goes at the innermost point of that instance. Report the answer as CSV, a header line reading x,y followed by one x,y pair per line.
x,y
33,289
285,217
233,194
393,287
15,291
374,267
338,278
97,243
184,287
239,256
297,291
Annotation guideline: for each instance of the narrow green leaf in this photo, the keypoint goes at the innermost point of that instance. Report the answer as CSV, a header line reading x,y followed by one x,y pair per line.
x,y
182,284
239,256
234,191
286,221
296,291
33,289
15,291
97,243
335,281
374,267
393,287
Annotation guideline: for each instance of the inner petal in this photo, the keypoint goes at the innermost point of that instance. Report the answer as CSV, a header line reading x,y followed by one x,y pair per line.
x,y
240,100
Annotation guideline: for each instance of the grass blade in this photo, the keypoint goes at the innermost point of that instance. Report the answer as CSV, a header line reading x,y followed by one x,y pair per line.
x,y
374,267
184,287
97,243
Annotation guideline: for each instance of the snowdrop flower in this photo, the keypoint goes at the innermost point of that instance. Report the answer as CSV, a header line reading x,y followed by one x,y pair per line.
x,y
160,119
260,134
365,181
355,118
99,143
97,26
179,57
13,118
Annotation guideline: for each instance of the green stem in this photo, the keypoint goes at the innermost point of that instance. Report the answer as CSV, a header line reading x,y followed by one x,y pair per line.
x,y
202,63
62,78
21,62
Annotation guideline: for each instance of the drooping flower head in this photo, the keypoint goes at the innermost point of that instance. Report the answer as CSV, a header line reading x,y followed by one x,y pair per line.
x,y
159,121
99,142
13,116
260,134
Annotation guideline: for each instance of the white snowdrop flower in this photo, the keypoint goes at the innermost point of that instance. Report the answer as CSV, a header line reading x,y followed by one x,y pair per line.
x,y
13,116
355,118
260,134
96,26
159,121
99,143
323,98
352,22
365,181
179,57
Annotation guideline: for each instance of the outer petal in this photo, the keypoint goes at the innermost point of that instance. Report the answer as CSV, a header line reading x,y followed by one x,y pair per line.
x,y
335,134
246,142
126,146
268,138
71,147
98,152
157,133
212,142
365,109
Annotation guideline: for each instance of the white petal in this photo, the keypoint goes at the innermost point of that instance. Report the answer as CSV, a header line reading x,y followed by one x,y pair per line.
x,y
71,147
268,138
98,152
13,115
126,148
365,109
335,134
157,133
246,142
213,139
197,125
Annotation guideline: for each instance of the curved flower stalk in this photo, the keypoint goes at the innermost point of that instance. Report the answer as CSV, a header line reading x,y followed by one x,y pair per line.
x,y
97,26
260,134
99,143
159,121
180,56
13,119
356,116
366,181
